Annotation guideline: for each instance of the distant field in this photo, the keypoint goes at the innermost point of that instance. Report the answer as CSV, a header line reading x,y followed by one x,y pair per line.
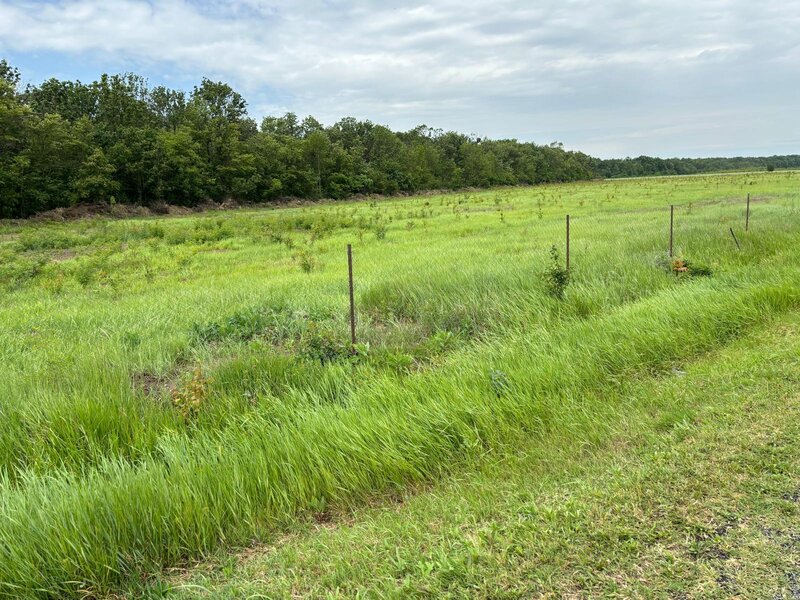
x,y
172,387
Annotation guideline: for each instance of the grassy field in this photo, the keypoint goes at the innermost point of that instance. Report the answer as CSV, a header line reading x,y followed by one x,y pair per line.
x,y
693,492
170,387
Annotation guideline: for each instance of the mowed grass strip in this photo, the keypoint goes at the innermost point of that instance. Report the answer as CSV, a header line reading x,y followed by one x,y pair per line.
x,y
692,491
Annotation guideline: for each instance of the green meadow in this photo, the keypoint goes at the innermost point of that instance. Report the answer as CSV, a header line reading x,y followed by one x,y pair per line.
x,y
183,387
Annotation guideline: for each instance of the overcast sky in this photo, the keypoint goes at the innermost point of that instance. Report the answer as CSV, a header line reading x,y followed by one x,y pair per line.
x,y
665,78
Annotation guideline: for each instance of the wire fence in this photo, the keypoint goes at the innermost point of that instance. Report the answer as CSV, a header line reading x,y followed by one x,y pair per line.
x,y
445,267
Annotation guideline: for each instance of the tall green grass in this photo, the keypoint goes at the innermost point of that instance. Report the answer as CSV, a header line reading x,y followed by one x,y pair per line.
x,y
104,479
63,533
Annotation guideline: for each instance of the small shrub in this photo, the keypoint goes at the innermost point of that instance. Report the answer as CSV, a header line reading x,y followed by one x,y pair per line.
x,y
556,276
208,230
306,260
321,344
49,239
360,352
190,398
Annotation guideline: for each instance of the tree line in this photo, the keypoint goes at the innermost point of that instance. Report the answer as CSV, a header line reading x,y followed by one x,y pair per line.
x,y
119,140
648,165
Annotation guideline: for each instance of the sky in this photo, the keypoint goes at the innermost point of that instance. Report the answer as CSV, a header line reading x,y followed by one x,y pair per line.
x,y
613,79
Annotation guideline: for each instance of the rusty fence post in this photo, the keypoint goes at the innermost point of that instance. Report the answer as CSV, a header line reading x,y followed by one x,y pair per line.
x,y
352,298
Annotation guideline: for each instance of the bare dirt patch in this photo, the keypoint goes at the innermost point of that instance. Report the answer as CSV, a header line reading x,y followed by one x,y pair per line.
x,y
153,385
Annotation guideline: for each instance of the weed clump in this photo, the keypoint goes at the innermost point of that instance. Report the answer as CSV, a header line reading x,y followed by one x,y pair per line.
x,y
683,267
393,360
275,323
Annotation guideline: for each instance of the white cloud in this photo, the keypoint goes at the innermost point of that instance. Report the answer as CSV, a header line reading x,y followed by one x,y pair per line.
x,y
608,77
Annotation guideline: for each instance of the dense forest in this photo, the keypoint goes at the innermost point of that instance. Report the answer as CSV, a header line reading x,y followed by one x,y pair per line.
x,y
119,140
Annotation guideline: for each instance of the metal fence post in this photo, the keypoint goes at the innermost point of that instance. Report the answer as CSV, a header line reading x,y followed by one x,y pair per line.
x,y
734,238
747,215
352,298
